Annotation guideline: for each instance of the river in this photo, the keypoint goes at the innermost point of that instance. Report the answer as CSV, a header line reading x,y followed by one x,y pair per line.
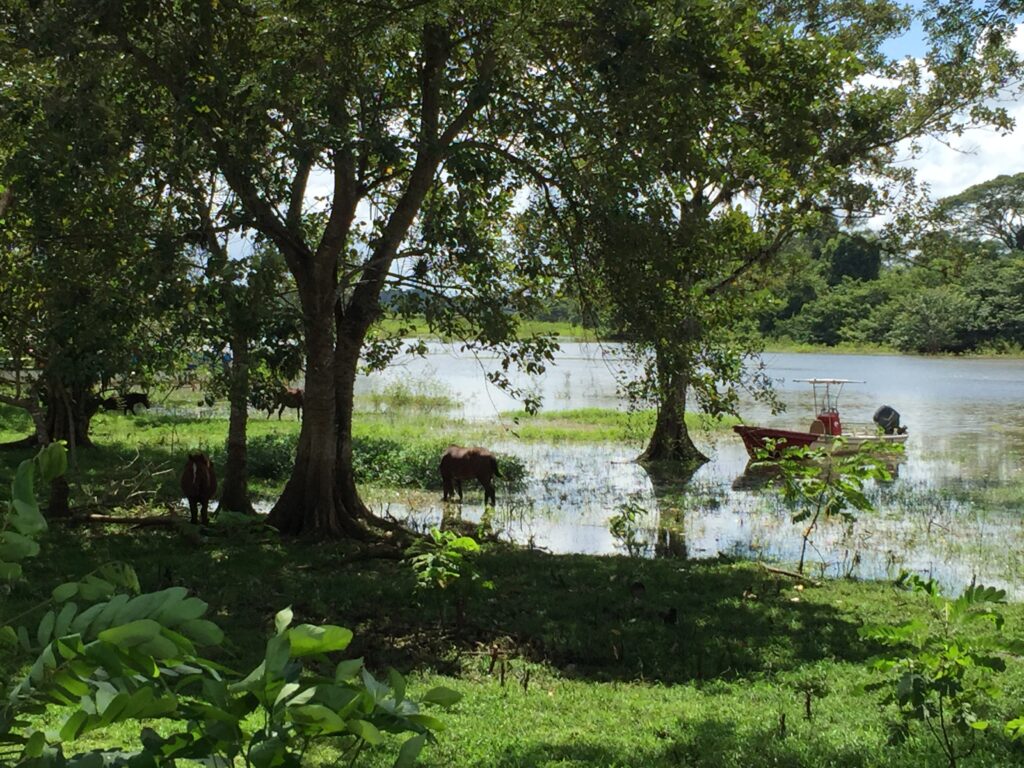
x,y
952,512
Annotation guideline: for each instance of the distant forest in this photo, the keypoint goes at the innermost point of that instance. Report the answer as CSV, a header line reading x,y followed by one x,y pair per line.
x,y
956,286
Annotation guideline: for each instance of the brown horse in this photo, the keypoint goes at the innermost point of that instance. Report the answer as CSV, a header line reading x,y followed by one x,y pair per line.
x,y
289,397
199,483
458,464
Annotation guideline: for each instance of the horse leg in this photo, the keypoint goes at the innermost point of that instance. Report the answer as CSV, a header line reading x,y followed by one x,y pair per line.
x,y
193,508
488,491
458,487
446,485
280,411
206,515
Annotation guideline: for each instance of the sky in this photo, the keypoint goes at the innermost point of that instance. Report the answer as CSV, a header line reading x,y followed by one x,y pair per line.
x,y
953,164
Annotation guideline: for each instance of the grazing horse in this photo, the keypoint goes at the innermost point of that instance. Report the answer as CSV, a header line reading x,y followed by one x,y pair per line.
x,y
289,397
126,402
198,483
458,464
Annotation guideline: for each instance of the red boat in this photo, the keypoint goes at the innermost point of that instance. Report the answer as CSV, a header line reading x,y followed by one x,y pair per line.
x,y
826,431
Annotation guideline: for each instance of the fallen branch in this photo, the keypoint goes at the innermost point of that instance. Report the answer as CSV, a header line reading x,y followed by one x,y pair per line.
x,y
791,574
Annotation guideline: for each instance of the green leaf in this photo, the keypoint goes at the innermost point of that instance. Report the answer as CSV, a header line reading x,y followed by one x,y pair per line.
x,y
65,591
427,721
10,571
202,631
52,461
14,546
397,685
442,696
347,669
131,634
410,751
283,619
366,731
323,719
306,639
46,625
35,744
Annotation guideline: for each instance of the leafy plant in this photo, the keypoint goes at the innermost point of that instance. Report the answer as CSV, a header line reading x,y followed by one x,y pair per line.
x,y
444,565
941,674
22,522
103,654
625,528
821,484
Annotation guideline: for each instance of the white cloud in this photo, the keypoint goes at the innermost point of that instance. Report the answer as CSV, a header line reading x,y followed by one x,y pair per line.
x,y
974,157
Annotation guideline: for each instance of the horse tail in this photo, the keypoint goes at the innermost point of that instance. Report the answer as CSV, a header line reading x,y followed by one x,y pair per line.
x,y
494,466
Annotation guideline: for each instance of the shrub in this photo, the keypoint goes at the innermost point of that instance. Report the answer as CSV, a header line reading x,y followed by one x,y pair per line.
x,y
271,457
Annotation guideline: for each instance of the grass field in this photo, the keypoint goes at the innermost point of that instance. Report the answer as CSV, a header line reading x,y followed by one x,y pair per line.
x,y
569,660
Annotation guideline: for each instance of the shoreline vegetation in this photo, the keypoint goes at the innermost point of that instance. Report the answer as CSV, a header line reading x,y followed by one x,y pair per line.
x,y
417,328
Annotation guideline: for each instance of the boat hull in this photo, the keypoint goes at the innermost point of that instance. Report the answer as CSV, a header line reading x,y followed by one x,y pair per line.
x,y
755,440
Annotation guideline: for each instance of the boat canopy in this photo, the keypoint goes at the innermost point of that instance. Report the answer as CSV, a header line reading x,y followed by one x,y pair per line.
x,y
830,398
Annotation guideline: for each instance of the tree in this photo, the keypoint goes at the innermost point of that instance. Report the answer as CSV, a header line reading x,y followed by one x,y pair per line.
x,y
697,143
87,246
392,106
991,210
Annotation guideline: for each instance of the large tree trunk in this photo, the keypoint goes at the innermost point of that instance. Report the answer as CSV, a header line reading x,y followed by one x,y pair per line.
x,y
235,494
312,502
346,366
68,415
671,439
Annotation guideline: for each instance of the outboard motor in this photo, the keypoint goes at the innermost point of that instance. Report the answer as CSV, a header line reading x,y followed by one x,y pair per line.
x,y
888,418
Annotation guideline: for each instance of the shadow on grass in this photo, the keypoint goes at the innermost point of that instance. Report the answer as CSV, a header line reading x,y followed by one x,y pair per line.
x,y
712,741
596,618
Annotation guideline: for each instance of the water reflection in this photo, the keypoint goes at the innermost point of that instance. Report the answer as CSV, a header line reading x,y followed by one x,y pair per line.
x,y
952,512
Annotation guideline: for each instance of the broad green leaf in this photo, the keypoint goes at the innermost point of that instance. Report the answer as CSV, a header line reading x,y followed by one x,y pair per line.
x,y
52,461
202,631
306,639
397,685
65,591
442,696
366,731
427,721
45,630
409,751
14,546
347,669
64,618
286,690
324,719
10,571
35,744
132,633
283,619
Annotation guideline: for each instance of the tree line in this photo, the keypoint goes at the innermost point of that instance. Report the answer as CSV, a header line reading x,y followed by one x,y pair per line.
x,y
201,174
957,286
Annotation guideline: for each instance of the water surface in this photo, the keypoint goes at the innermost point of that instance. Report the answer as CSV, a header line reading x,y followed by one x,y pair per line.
x,y
953,510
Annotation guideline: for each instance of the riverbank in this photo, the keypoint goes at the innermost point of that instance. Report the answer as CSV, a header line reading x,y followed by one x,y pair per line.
x,y
572,332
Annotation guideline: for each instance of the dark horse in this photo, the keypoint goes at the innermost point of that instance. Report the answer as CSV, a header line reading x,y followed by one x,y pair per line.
x,y
126,402
289,397
458,464
198,483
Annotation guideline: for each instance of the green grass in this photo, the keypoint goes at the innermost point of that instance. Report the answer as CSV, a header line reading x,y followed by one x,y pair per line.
x,y
593,674
599,425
